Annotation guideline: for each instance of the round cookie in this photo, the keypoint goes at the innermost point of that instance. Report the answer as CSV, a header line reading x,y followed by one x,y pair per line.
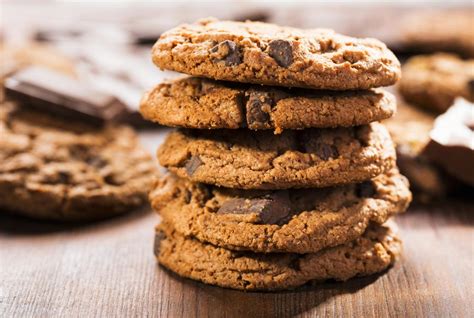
x,y
373,252
194,102
434,81
294,159
295,221
442,31
263,53
58,170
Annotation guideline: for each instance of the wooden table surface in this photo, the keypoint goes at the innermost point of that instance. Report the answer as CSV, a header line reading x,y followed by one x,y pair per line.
x,y
107,269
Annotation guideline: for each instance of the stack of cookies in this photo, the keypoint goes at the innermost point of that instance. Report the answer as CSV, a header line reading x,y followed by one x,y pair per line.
x,y
280,173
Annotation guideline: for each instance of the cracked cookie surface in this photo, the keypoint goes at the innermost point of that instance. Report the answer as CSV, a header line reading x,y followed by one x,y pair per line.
x,y
373,252
193,102
434,81
294,159
296,221
60,170
262,53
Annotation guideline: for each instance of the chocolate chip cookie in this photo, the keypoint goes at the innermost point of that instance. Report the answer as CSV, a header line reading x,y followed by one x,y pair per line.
x,y
442,31
296,221
194,102
294,159
434,81
262,53
58,170
373,252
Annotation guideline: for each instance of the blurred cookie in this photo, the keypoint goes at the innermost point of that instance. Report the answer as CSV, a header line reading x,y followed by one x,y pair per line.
x,y
434,81
63,170
294,159
373,252
445,31
194,102
296,221
263,53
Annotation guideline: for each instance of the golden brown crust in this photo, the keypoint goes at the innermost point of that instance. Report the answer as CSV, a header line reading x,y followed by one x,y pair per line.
x,y
373,252
434,81
262,53
193,102
316,218
295,159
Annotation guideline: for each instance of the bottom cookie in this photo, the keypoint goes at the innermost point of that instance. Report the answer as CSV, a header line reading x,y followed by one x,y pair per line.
x,y
373,252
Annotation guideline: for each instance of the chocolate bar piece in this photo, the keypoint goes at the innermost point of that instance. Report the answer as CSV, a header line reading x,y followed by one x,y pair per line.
x,y
60,95
452,141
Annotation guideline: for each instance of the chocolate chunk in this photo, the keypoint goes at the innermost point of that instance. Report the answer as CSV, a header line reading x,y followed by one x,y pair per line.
x,y
64,177
187,196
192,164
325,151
57,35
61,95
259,105
97,162
229,52
271,209
451,146
159,236
366,189
282,52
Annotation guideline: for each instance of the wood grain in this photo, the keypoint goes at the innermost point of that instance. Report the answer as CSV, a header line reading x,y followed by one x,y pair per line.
x,y
107,269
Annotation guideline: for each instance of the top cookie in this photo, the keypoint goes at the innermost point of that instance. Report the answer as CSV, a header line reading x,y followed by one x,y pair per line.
x,y
262,53
434,81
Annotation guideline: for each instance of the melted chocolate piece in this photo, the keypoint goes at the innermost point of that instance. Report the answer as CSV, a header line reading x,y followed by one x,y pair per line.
x,y
229,52
60,95
271,209
192,165
451,146
282,52
456,160
259,105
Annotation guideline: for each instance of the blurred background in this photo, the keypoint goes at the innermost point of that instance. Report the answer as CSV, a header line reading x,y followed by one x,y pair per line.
x,y
106,45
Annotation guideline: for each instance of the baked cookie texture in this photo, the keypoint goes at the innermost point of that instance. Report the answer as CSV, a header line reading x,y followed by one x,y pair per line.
x,y
263,53
442,31
294,159
57,170
434,81
194,102
295,221
371,253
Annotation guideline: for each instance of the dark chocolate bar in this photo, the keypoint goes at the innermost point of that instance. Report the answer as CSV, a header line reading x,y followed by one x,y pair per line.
x,y
452,141
61,95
